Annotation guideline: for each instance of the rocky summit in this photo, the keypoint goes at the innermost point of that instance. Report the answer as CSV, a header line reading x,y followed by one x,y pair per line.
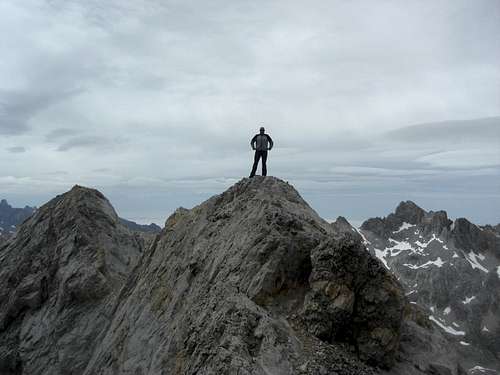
x,y
251,281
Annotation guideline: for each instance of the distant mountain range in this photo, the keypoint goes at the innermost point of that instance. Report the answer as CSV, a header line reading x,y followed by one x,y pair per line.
x,y
11,217
147,228
450,268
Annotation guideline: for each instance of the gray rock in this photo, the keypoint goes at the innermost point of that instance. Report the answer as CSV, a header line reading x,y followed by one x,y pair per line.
x,y
354,299
217,292
252,281
59,277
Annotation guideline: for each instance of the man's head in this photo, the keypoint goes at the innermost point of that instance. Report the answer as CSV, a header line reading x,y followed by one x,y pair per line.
x,y
262,130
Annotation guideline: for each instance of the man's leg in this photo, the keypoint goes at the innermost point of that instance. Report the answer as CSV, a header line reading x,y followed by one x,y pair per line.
x,y
264,166
255,162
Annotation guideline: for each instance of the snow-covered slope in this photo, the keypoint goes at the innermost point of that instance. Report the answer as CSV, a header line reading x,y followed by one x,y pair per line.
x,y
449,268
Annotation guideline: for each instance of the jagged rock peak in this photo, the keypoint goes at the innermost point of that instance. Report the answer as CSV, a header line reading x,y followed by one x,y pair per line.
x,y
342,221
406,212
410,212
81,203
341,225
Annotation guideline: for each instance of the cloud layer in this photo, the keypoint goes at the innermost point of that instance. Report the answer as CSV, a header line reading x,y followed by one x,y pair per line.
x,y
154,102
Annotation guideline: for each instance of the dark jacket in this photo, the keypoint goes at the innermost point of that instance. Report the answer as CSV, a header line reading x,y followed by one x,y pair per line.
x,y
261,142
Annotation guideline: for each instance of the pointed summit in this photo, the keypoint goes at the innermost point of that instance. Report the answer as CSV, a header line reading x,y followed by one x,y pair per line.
x,y
409,212
83,206
406,212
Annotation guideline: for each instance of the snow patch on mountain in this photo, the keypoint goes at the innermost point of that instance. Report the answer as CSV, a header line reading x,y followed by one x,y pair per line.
x,y
365,241
399,247
438,263
468,300
381,254
425,244
472,258
446,328
482,370
403,227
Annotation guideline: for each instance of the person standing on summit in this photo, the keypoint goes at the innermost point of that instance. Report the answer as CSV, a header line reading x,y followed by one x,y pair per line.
x,y
261,143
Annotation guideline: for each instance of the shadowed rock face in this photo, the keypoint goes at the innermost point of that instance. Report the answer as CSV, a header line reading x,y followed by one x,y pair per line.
x,y
353,298
252,281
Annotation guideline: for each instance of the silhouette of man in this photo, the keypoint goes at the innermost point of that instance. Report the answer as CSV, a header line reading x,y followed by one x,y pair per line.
x,y
261,143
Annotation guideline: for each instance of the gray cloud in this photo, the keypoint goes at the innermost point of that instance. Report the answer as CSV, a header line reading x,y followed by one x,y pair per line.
x,y
17,108
101,170
90,141
463,131
16,149
158,100
59,133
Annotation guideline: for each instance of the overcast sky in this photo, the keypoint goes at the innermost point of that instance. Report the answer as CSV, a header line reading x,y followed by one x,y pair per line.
x,y
154,102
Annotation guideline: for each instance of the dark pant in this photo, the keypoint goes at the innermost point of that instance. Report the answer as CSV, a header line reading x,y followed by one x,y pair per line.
x,y
258,155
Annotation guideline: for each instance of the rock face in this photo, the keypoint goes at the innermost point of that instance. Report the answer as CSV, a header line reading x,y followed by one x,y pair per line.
x,y
353,297
252,281
449,268
59,277
241,284
222,292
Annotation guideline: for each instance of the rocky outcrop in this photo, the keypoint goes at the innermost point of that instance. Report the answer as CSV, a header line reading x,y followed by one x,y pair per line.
x,y
353,298
230,286
60,275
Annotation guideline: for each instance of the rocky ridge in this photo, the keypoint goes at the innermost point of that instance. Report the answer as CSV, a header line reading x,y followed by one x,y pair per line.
x,y
252,281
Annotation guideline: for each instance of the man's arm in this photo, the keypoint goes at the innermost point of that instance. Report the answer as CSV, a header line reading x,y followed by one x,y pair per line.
x,y
254,139
270,142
